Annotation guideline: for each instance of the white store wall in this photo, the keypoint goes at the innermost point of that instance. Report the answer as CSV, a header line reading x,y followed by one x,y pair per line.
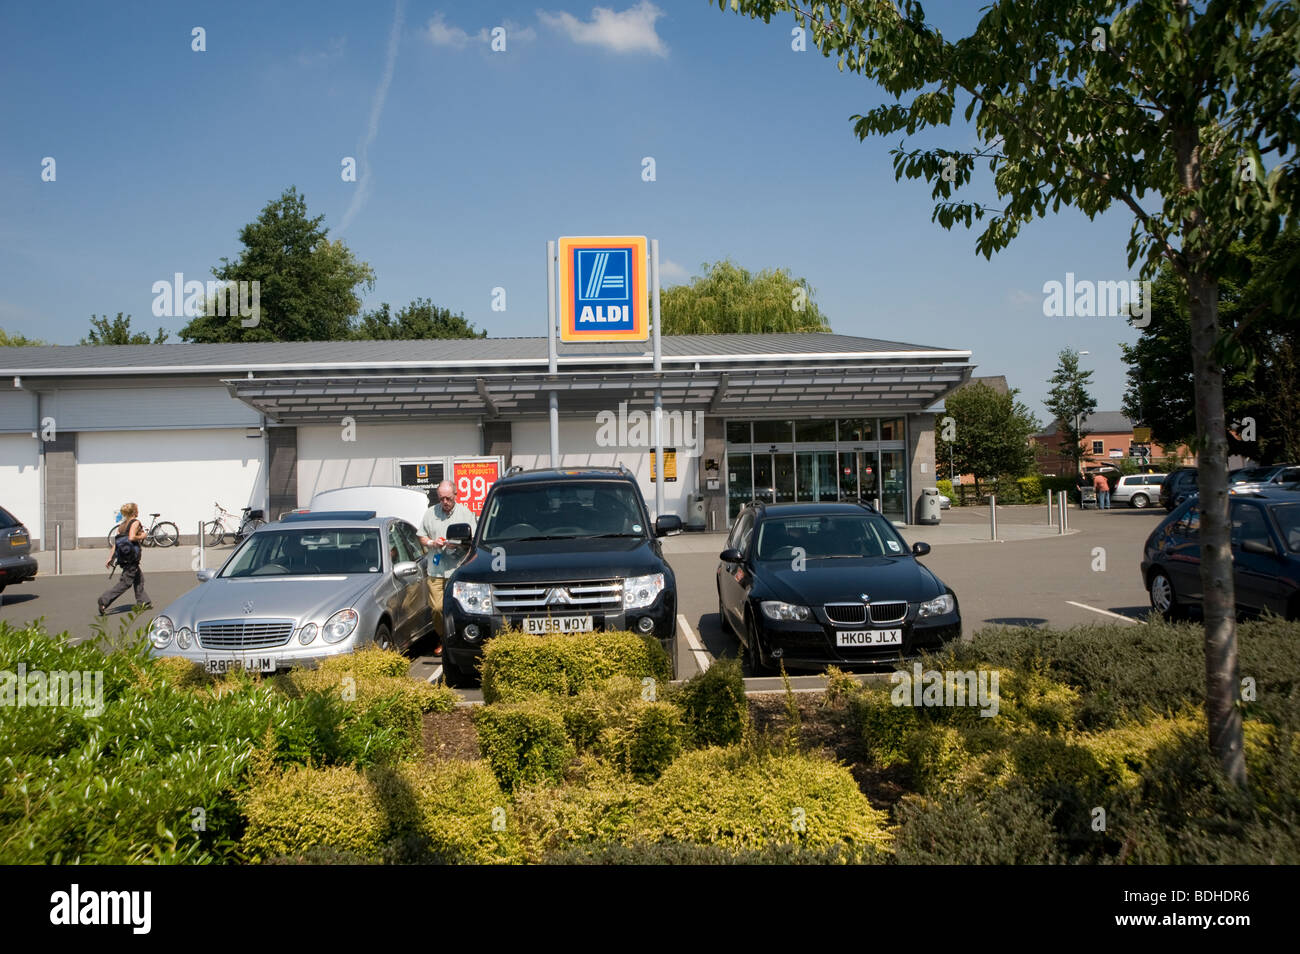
x,y
326,461
20,479
179,473
581,447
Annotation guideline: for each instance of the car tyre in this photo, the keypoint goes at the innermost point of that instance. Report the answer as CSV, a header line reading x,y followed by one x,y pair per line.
x,y
1164,600
453,677
759,664
1140,501
384,637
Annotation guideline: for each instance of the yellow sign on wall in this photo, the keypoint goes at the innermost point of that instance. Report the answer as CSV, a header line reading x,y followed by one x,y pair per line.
x,y
670,465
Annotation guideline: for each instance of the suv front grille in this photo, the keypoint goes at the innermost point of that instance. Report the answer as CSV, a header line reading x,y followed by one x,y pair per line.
x,y
244,633
599,596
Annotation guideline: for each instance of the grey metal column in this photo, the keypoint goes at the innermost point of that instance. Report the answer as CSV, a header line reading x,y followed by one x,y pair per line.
x,y
660,464
551,355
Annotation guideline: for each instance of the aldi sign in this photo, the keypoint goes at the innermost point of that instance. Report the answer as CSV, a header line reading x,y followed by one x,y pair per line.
x,y
603,289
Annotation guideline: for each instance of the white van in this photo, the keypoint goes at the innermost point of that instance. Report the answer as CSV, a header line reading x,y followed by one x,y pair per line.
x,y
406,503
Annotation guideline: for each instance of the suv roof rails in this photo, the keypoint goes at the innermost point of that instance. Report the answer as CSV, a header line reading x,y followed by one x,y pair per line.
x,y
871,507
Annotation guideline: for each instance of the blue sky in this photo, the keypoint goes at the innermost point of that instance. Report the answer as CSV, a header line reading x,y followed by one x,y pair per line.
x,y
469,160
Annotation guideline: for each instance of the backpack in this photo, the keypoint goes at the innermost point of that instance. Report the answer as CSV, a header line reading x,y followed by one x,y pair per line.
x,y
126,552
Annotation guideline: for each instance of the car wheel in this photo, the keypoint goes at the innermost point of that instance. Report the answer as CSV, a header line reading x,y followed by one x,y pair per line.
x,y
1163,599
759,664
453,677
1141,501
384,637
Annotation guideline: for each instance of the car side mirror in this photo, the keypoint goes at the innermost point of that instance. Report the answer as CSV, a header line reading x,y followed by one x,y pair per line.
x,y
1258,546
730,555
920,549
668,523
205,575
408,570
459,534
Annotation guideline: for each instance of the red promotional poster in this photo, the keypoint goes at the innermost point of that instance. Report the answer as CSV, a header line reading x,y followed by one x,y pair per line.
x,y
473,477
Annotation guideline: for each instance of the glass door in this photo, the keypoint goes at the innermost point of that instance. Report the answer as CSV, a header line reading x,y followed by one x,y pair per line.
x,y
869,476
893,480
764,486
740,483
783,465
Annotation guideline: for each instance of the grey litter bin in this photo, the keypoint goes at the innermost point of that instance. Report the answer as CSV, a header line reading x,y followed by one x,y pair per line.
x,y
927,506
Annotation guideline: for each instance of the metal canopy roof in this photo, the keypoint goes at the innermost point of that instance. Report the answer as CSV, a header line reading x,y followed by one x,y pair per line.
x,y
814,386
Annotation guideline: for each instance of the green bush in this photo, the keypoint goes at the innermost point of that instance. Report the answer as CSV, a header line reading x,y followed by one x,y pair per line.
x,y
524,741
713,704
645,740
517,664
680,853
880,724
596,807
1007,826
446,811
730,798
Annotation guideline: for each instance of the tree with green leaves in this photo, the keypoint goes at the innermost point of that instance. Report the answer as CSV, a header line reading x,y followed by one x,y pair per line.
x,y
1070,402
728,299
307,284
420,320
15,340
117,331
1159,108
991,432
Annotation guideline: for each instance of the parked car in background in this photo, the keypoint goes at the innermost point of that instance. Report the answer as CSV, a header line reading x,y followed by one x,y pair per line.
x,y
294,592
559,551
1264,478
405,503
16,561
1265,543
833,583
1178,485
1137,490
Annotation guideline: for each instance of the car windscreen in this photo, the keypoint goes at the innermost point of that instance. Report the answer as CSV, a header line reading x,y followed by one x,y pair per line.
x,y
565,510
307,551
1288,522
1253,475
822,537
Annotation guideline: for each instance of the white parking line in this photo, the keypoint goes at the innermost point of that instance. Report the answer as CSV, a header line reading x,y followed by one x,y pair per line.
x,y
1127,619
702,657
435,676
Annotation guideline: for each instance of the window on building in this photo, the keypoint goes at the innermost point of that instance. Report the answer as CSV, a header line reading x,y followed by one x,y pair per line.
x,y
738,432
1098,447
773,432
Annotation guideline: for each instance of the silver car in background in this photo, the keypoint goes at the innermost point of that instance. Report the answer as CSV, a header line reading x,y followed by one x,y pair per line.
x,y
1136,490
310,586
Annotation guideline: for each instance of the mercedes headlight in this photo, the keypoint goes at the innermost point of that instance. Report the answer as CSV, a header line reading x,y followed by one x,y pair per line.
x,y
160,632
340,626
640,591
775,609
939,606
473,598
307,633
184,638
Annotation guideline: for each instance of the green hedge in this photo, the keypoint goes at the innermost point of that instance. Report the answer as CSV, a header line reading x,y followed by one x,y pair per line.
x,y
517,664
713,704
524,741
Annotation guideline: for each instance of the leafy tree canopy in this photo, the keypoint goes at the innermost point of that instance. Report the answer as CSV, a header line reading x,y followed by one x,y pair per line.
x,y
15,340
991,432
117,331
728,299
421,319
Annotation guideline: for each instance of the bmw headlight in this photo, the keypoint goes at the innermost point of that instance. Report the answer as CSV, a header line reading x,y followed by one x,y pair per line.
x,y
939,606
307,633
184,638
473,598
160,632
775,609
340,626
640,591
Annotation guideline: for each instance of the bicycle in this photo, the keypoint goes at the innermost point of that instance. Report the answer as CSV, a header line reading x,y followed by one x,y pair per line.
x,y
162,533
216,531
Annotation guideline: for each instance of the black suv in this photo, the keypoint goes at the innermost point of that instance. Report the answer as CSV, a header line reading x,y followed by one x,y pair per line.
x,y
559,551
1177,487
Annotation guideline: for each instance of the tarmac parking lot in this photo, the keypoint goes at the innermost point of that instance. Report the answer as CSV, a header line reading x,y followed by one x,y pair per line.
x,y
1032,577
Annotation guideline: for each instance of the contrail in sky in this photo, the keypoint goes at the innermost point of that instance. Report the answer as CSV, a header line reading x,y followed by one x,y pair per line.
x,y
376,108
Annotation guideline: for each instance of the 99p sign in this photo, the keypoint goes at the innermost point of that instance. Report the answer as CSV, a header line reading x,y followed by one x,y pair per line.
x,y
473,478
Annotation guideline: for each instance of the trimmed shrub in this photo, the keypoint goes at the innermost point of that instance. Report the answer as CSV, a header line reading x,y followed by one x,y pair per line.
x,y
1007,826
729,798
882,726
517,664
680,853
524,741
332,809
1031,489
644,740
713,704
366,663
593,709
597,807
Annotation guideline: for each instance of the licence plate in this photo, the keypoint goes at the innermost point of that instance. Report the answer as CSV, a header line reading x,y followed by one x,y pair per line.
x,y
17,540
540,625
869,637
220,666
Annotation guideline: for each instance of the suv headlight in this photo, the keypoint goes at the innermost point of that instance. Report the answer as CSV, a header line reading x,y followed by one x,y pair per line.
x,y
160,632
939,606
640,591
340,626
775,609
473,598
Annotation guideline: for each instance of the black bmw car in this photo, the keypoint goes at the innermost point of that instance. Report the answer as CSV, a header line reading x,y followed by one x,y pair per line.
x,y
829,583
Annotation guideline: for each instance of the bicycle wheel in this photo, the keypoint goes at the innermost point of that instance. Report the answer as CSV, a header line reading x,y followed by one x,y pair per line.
x,y
164,534
249,526
112,535
215,531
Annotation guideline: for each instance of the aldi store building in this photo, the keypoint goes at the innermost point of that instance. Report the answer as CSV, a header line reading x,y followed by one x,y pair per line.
x,y
178,428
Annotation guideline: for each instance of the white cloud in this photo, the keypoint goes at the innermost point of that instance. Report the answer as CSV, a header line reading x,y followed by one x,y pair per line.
x,y
442,35
672,272
632,31
514,33
372,130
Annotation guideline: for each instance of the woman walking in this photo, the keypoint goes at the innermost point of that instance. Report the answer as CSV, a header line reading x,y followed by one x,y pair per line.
x,y
126,551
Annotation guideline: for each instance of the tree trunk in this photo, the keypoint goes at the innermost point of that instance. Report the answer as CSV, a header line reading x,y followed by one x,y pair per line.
x,y
1222,685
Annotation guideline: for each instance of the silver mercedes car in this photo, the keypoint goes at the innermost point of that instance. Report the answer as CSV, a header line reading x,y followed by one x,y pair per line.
x,y
309,586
